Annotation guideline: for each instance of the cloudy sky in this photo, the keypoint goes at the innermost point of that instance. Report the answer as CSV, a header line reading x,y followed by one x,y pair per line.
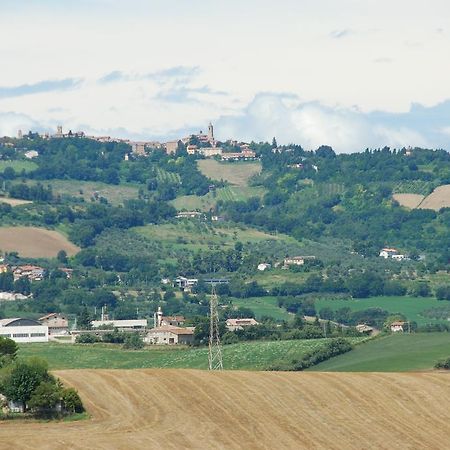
x,y
351,73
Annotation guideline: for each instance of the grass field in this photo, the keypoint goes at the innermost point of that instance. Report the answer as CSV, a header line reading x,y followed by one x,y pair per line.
x,y
392,353
194,235
18,166
263,306
189,409
237,173
208,201
246,355
34,242
86,190
411,307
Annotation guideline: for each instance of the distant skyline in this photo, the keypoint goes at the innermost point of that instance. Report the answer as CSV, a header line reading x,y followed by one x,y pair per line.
x,y
350,74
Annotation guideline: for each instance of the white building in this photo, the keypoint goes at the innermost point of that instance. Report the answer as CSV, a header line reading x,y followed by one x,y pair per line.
x,y
122,325
23,330
263,266
397,326
388,252
186,283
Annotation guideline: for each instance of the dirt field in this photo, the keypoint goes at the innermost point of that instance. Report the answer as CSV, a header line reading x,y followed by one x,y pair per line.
x,y
34,242
14,201
180,409
439,198
410,201
235,173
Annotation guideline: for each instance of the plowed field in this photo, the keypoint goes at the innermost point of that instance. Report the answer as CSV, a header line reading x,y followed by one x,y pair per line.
x,y
178,409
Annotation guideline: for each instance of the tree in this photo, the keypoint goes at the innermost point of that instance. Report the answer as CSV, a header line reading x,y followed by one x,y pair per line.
x,y
62,257
22,380
84,319
8,351
45,397
23,286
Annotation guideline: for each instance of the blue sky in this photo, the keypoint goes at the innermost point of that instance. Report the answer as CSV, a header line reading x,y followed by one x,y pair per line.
x,y
351,74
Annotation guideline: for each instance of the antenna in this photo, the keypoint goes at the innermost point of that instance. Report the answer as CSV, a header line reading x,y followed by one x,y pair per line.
x,y
215,350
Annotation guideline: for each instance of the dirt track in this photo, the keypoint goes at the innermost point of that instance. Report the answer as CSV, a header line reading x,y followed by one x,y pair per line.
x,y
176,409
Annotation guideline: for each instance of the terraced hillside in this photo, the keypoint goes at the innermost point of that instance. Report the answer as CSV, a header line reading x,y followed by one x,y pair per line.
x,y
173,409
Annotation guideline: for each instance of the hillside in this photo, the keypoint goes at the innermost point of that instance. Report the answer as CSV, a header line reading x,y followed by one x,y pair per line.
x,y
394,353
172,409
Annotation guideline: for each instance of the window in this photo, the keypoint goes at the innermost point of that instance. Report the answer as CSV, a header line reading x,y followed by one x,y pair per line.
x,y
37,334
20,335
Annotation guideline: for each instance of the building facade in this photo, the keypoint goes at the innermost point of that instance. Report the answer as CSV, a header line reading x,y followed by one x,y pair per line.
x,y
23,330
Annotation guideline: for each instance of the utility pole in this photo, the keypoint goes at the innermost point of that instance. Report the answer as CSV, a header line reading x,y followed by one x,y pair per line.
x,y
215,361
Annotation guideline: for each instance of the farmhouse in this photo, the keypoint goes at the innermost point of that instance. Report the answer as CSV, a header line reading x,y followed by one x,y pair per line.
x,y
122,325
170,335
263,266
388,252
297,260
245,155
185,283
3,268
397,326
11,296
364,328
23,330
207,152
57,324
239,324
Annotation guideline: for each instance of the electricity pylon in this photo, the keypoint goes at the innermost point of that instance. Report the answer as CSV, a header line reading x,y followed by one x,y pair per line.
x,y
215,350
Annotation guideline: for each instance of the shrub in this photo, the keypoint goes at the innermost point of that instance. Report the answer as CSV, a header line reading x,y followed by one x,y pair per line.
x,y
86,339
443,364
71,401
133,341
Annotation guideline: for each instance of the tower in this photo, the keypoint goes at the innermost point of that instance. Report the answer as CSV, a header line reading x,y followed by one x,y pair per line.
x,y
157,318
19,134
210,132
215,351
59,130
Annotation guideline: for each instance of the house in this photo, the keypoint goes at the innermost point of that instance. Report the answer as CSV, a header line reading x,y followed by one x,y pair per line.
x,y
11,296
239,324
23,330
397,326
208,152
67,271
170,335
388,252
122,325
233,156
263,266
171,146
4,268
189,215
31,154
399,257
57,324
191,149
364,329
33,273
297,260
185,283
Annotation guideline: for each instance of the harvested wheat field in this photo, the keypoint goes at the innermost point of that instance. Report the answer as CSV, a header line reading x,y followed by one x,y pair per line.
x,y
439,198
178,409
237,173
410,201
34,242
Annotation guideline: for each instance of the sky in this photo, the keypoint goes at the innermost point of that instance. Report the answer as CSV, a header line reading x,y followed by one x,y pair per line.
x,y
352,74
